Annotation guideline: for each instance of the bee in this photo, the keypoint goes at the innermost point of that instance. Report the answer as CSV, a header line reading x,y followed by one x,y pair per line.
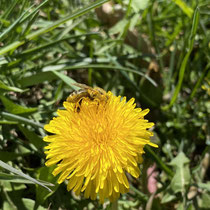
x,y
77,96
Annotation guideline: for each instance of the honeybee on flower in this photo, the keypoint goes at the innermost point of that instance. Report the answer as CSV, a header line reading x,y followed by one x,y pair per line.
x,y
94,94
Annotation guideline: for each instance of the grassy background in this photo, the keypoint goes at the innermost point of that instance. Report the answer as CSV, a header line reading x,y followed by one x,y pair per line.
x,y
155,51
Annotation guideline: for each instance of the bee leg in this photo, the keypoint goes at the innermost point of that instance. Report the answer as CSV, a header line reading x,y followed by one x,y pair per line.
x,y
78,105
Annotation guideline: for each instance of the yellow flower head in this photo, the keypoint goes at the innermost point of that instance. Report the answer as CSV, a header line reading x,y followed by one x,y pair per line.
x,y
94,146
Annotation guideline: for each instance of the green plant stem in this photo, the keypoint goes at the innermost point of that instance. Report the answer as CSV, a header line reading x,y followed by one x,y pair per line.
x,y
159,162
114,205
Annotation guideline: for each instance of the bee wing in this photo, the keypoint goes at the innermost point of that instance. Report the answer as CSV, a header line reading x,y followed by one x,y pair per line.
x,y
83,86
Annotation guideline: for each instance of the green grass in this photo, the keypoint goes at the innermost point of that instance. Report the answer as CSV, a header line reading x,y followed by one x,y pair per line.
x,y
155,51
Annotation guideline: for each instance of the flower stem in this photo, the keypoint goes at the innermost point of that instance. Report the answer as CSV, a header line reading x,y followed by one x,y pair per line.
x,y
114,205
159,162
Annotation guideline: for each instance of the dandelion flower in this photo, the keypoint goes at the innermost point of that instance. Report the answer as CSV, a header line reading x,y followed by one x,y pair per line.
x,y
94,147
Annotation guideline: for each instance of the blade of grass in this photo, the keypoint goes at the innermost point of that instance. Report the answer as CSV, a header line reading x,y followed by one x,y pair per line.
x,y
185,60
183,6
15,108
200,80
50,44
19,179
29,24
9,88
9,10
11,27
34,11
66,79
4,122
24,120
50,27
110,67
125,74
152,33
20,173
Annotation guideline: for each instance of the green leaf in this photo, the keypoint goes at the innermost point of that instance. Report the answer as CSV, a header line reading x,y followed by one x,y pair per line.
x,y
5,122
205,201
103,67
9,88
14,24
66,79
30,204
16,44
181,206
185,60
9,156
168,197
117,28
36,79
26,17
205,186
183,6
15,108
182,175
51,44
158,160
32,137
10,9
21,119
45,173
12,186
139,5
20,173
19,179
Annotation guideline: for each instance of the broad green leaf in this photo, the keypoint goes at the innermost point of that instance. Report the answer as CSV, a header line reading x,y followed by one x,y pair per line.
x,y
9,156
15,108
36,79
181,206
179,160
45,173
139,5
32,137
204,202
117,28
182,175
12,186
9,88
168,196
7,206
205,186
29,204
